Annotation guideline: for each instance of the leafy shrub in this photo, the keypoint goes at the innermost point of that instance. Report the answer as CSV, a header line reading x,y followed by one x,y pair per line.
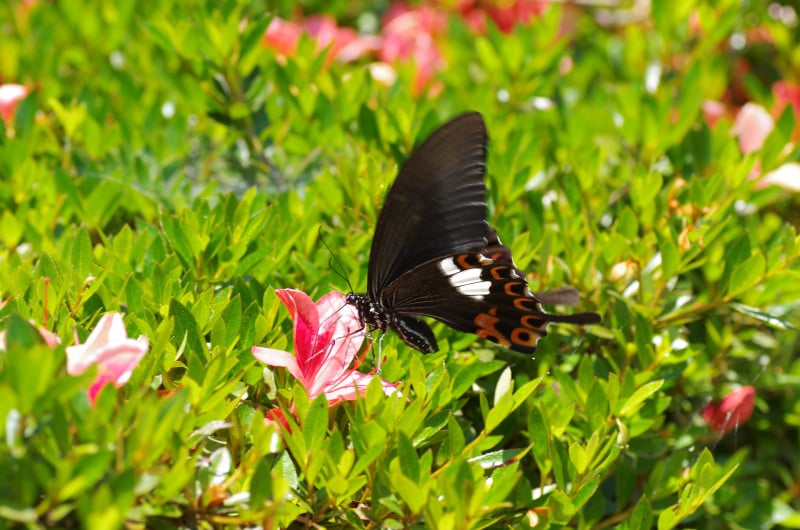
x,y
171,164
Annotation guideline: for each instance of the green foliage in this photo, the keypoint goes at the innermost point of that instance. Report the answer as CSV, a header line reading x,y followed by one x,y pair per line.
x,y
169,166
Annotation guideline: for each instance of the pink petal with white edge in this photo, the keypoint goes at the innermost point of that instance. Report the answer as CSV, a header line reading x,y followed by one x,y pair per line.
x,y
279,358
354,384
118,361
109,347
110,329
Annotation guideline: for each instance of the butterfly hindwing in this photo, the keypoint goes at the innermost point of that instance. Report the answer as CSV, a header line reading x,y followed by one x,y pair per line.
x,y
475,293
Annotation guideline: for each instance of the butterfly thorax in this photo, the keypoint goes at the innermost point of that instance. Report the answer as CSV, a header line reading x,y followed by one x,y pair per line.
x,y
370,313
413,331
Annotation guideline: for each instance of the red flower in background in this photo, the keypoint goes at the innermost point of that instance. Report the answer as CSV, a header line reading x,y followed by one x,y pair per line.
x,y
505,14
787,93
109,347
327,337
733,410
10,96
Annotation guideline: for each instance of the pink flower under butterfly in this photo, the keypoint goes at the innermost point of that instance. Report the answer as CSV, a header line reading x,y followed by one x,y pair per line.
x,y
327,337
731,411
109,347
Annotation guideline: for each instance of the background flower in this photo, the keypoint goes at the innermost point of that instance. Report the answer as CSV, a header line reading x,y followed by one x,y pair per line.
x,y
110,348
10,96
731,411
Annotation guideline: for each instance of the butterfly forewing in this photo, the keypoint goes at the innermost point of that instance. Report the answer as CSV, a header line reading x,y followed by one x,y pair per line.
x,y
437,204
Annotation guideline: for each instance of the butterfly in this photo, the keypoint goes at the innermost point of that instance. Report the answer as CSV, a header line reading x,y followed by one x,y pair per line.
x,y
434,254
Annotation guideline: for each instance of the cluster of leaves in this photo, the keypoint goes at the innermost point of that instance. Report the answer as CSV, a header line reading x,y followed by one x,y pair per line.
x,y
170,166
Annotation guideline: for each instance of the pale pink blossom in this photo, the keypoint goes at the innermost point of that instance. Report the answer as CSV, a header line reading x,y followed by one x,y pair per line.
x,y
50,339
752,126
109,347
327,337
10,96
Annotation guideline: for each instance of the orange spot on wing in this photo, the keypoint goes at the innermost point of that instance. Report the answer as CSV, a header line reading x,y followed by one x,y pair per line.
x,y
487,327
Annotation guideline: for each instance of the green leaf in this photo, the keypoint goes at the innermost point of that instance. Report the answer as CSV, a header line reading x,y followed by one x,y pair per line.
x,y
407,458
261,484
578,457
315,423
498,458
746,274
504,385
82,253
186,330
633,403
763,316
642,517
669,258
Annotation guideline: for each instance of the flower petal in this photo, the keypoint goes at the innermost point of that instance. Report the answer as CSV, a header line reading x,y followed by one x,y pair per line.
x,y
10,96
786,176
110,329
109,347
734,409
304,313
119,360
352,385
280,358
753,124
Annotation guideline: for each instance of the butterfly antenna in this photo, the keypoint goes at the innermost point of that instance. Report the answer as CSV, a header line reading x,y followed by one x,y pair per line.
x,y
335,265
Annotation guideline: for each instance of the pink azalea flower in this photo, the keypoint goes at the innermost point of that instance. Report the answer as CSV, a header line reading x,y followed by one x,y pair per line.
x,y
753,124
110,348
327,337
409,34
51,339
10,96
345,43
733,410
282,36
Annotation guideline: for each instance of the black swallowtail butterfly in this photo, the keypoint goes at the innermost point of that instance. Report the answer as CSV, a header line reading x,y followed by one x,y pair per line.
x,y
435,255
